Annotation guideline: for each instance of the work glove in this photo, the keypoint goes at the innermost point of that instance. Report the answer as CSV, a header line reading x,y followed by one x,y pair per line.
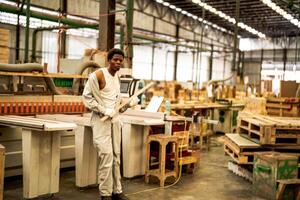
x,y
134,101
110,112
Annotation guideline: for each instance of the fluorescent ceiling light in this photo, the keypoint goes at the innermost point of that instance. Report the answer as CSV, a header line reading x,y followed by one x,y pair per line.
x,y
184,12
228,18
282,12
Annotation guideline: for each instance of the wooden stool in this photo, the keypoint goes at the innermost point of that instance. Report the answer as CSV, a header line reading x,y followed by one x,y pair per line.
x,y
161,173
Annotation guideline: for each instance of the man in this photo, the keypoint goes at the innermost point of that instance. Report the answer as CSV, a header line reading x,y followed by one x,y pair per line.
x,y
101,95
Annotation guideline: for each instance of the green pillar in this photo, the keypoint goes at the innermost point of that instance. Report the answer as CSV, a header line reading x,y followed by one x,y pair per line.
x,y
211,58
27,31
176,53
237,19
129,21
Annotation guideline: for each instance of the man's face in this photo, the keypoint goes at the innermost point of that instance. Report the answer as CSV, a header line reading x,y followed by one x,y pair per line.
x,y
116,62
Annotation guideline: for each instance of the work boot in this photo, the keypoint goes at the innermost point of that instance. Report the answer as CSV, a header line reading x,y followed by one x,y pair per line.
x,y
105,198
120,196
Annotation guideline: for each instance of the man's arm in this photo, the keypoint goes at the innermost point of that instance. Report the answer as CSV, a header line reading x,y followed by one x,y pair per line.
x,y
89,100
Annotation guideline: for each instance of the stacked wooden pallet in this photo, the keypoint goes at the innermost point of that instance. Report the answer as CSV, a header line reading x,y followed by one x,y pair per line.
x,y
4,50
266,130
259,133
240,149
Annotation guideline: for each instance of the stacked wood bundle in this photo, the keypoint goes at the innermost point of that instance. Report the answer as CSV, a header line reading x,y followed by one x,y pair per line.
x,y
255,105
4,50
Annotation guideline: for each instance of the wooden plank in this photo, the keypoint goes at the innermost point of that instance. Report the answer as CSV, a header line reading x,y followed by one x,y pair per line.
x,y
7,121
4,52
35,123
240,141
3,44
27,99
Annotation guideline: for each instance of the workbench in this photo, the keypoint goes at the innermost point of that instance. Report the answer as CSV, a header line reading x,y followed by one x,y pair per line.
x,y
86,159
135,129
41,152
135,126
212,111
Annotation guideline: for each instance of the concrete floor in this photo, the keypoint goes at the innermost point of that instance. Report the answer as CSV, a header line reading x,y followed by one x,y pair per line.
x,y
211,181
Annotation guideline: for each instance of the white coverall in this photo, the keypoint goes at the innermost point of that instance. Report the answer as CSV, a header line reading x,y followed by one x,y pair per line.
x,y
107,134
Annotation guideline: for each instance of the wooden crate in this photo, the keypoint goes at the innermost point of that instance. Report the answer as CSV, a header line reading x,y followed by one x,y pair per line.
x,y
269,167
288,88
284,107
268,130
240,149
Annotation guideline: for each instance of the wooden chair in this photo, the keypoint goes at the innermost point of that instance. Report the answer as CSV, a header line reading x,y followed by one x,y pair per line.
x,y
183,142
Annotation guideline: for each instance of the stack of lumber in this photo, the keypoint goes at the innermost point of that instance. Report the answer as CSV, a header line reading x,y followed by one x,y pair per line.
x,y
283,107
255,105
260,133
4,50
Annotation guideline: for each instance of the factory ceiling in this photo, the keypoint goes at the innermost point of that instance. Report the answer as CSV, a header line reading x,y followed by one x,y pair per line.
x,y
273,18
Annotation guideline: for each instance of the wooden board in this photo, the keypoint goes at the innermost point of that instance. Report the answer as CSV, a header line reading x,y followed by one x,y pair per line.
x,y
35,123
241,142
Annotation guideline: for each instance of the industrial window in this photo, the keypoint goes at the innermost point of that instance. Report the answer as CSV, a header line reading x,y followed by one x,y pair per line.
x,y
49,50
184,66
163,68
77,45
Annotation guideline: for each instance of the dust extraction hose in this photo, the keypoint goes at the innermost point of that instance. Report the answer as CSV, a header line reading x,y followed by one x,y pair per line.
x,y
29,67
82,68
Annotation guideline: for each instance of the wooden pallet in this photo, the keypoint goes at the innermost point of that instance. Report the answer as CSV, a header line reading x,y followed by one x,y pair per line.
x,y
240,149
268,130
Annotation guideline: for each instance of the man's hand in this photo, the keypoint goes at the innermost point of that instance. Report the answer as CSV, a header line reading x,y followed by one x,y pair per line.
x,y
134,101
110,112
